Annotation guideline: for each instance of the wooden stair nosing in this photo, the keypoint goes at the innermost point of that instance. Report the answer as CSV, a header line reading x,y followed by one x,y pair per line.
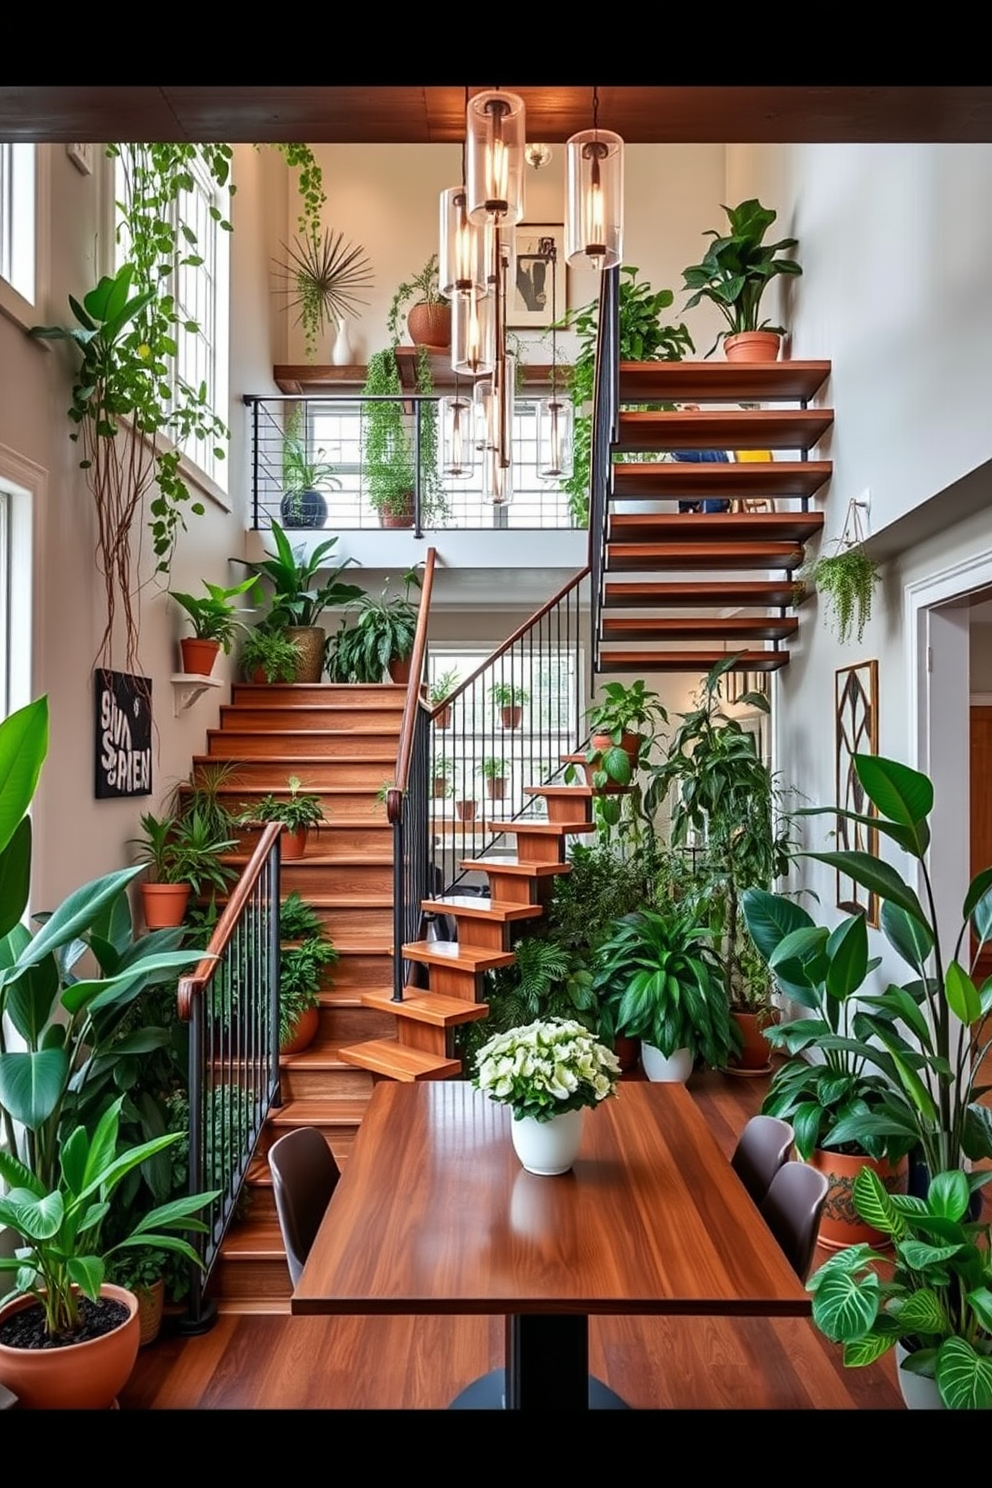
x,y
511,864
627,557
478,906
321,1111
726,382
770,593
456,955
716,527
690,661
726,429
730,627
435,1008
688,480
400,1062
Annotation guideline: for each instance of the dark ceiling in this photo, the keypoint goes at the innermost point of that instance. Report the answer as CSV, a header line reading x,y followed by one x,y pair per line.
x,y
436,115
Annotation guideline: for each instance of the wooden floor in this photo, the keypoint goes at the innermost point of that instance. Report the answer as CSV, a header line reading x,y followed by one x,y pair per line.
x,y
281,1362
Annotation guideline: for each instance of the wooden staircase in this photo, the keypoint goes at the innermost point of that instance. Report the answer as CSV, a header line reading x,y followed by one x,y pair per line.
x,y
741,561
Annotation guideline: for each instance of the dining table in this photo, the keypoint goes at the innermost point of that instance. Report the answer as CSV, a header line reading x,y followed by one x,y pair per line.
x,y
435,1214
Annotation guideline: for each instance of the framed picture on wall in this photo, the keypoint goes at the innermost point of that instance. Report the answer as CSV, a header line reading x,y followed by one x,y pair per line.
x,y
537,296
855,732
123,709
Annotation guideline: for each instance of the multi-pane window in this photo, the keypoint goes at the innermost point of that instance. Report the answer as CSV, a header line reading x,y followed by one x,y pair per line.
x,y
17,218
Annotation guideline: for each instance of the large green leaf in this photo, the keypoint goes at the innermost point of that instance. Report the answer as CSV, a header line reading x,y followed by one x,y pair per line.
x,y
15,876
873,874
962,994
964,1377
923,1312
36,1218
31,998
906,934
770,917
949,1193
976,1137
76,913
23,746
845,1306
903,795
862,1351
31,1084
847,949
873,1204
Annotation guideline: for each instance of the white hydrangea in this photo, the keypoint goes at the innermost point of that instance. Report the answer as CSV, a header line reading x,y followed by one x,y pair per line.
x,y
546,1067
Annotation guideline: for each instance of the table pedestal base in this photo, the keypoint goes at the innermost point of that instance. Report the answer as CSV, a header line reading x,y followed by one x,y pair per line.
x,y
547,1368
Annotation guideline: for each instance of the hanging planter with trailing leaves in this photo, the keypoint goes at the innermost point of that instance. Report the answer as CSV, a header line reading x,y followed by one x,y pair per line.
x,y
846,580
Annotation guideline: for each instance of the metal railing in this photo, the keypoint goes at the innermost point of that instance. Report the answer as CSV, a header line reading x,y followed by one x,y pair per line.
x,y
505,727
605,430
231,1003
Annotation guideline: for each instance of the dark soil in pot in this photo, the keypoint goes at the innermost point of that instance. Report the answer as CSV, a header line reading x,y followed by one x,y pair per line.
x,y
26,1329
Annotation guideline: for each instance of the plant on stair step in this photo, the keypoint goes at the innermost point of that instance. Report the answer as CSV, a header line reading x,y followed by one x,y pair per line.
x,y
203,791
846,579
301,976
643,338
297,599
298,919
298,811
380,634
623,727
737,269
183,850
267,654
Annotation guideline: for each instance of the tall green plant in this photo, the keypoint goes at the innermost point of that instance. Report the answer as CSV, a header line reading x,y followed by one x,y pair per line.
x,y
738,267
389,463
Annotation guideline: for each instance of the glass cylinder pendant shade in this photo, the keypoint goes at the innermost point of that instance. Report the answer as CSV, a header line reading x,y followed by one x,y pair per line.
x,y
457,445
554,438
462,261
594,199
504,383
486,415
473,334
494,157
497,484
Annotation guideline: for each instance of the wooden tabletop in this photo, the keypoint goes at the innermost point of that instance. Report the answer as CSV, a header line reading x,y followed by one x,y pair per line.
x,y
434,1214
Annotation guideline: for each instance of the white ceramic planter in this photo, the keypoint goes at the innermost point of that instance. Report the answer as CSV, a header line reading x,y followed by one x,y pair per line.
x,y
675,1070
548,1147
918,1392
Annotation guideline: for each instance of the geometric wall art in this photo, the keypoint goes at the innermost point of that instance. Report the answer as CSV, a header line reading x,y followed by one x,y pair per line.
x,y
856,732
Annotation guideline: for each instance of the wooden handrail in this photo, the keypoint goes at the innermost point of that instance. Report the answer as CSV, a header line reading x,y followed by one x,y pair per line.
x,y
394,796
511,640
190,985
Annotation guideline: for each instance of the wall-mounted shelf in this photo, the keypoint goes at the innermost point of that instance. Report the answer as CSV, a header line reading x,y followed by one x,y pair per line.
x,y
187,687
339,381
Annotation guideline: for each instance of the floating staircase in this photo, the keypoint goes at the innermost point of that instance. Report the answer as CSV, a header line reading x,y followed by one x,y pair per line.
x,y
745,558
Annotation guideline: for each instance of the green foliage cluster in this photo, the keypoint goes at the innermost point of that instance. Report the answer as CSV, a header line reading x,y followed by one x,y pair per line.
x,y
213,616
185,849
847,582
737,269
389,462
382,629
296,598
295,810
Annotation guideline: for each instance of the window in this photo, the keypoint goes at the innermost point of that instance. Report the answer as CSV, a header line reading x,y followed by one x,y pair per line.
x,y
17,218
201,291
22,484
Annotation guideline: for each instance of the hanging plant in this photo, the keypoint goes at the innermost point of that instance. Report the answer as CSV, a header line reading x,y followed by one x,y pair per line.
x,y
133,419
309,184
846,580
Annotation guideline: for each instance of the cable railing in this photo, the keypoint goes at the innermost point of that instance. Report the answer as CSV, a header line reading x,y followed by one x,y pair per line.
x,y
504,728
605,430
231,1005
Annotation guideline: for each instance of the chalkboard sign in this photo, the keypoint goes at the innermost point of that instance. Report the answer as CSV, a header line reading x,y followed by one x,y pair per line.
x,y
123,734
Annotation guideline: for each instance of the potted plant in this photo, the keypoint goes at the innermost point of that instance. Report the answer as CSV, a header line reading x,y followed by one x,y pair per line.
x,y
268,655
215,624
510,700
298,600
549,1073
622,728
494,771
390,470
184,858
143,1273
298,811
658,979
301,976
933,1308
734,274
68,1339
429,318
846,579
323,276
441,687
305,477
443,786
379,639
465,804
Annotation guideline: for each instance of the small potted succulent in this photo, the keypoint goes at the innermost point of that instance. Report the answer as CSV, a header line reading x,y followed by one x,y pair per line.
x,y
298,811
215,624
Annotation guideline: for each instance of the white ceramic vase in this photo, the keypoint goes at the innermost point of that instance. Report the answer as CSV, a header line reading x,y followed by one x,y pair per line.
x,y
918,1392
548,1147
675,1070
341,353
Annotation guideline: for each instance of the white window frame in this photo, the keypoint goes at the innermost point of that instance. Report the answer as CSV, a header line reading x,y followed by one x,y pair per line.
x,y
19,231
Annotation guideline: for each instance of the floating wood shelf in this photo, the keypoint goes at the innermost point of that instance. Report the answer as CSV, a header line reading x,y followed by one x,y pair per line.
x,y
327,381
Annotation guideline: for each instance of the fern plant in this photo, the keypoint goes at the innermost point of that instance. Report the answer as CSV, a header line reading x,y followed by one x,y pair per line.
x,y
847,582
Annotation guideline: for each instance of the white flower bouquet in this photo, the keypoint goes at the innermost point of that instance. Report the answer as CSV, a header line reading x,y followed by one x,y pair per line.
x,y
546,1068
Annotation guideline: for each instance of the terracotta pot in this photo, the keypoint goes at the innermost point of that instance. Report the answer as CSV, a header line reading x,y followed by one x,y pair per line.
x,y
440,787
399,669
496,788
430,325
164,905
629,741
442,720
841,1225
151,1305
304,1032
397,519
81,1376
198,656
293,844
511,716
752,346
309,642
465,810
755,1057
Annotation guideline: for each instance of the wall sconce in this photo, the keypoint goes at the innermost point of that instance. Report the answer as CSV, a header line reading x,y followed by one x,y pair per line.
x,y
537,156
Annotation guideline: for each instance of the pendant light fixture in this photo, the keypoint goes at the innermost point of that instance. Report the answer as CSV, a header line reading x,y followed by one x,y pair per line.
x,y
457,442
594,196
494,157
554,413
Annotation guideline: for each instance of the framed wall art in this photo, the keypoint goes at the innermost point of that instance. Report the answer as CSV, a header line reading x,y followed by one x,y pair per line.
x,y
855,732
123,734
537,296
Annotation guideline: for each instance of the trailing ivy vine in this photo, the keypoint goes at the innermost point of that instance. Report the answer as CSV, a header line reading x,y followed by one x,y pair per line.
x,y
846,580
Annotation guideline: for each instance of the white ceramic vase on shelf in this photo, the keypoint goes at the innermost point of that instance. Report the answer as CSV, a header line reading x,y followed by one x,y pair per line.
x,y
673,1070
341,353
548,1147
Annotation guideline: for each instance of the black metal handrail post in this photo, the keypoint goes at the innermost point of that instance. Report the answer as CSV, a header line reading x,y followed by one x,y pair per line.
x,y
605,429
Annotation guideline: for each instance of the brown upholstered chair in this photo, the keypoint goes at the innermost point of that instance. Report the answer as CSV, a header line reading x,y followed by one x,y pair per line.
x,y
764,1145
304,1176
792,1209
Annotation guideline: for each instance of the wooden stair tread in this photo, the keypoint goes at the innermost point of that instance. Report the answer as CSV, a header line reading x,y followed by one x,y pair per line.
x,y
400,1062
726,429
319,1111
768,592
643,556
511,864
479,906
540,828
325,1056
727,382
254,1240
718,527
690,661
583,791
453,953
429,1007
287,735
659,627
780,480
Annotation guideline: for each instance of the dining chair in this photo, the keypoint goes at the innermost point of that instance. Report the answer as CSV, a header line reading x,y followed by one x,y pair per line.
x,y
764,1145
304,1176
792,1208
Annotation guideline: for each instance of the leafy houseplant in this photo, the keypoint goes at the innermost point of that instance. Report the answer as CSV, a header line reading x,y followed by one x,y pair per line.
x,y
213,618
429,318
623,728
657,979
443,787
323,279
737,269
494,772
937,1303
268,655
389,465
182,853
301,975
438,691
546,1068
298,812
304,476
642,338
380,638
297,598
847,580
510,699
